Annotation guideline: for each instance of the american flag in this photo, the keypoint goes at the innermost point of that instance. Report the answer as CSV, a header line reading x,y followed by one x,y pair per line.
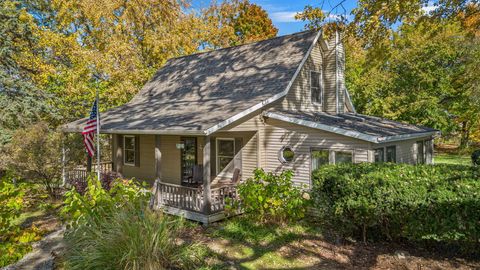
x,y
89,130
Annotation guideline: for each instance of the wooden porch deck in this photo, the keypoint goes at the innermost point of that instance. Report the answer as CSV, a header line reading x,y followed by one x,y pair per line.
x,y
189,202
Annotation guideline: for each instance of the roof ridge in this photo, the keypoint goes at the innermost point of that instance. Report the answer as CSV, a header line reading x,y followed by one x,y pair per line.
x,y
241,45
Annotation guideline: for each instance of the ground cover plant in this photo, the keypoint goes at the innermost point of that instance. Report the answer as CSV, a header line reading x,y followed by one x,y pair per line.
x,y
25,216
439,204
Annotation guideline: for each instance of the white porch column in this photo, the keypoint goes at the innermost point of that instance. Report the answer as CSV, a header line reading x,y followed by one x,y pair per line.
x,y
158,158
207,193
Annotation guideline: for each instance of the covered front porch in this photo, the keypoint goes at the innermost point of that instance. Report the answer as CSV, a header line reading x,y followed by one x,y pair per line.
x,y
175,165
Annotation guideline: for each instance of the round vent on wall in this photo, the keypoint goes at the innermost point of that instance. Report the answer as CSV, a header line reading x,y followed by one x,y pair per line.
x,y
286,154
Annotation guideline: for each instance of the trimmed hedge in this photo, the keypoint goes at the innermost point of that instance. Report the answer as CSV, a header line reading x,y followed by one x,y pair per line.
x,y
398,201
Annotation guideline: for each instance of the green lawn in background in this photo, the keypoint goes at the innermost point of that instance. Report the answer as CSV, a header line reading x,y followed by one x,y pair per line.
x,y
446,158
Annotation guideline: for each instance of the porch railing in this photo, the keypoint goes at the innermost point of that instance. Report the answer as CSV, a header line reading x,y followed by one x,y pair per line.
x,y
220,195
80,174
181,197
105,166
192,199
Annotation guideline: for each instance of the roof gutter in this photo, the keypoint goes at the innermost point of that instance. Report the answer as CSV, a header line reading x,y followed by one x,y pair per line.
x,y
350,133
341,131
143,131
396,138
269,100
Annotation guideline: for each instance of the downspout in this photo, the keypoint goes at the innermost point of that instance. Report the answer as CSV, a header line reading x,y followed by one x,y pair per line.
x,y
336,72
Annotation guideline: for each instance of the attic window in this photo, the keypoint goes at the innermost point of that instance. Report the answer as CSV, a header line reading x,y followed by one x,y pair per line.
x,y
316,86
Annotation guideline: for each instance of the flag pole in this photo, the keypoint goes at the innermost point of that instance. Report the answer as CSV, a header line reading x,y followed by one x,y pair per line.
x,y
98,135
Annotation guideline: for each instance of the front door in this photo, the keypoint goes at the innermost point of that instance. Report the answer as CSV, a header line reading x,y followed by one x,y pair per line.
x,y
188,157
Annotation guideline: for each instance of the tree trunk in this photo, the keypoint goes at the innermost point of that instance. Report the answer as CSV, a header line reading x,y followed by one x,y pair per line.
x,y
465,136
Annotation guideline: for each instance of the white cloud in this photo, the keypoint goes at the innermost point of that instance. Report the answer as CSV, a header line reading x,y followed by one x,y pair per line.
x,y
283,16
289,16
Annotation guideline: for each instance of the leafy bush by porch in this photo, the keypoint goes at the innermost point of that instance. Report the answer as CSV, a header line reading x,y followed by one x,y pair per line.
x,y
439,203
97,202
272,197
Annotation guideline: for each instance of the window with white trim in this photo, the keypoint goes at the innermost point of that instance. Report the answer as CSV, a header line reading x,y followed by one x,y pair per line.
x,y
342,157
225,152
379,155
129,150
316,86
391,153
420,152
320,157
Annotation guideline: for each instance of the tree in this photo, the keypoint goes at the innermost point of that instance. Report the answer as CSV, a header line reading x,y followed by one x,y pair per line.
x,y
35,154
237,22
21,102
122,42
422,68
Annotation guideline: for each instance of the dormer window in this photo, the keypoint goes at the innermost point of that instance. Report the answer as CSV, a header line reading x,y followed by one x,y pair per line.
x,y
316,86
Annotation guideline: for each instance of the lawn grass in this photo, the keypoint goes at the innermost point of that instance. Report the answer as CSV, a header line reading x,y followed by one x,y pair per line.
x,y
239,243
31,214
449,158
248,245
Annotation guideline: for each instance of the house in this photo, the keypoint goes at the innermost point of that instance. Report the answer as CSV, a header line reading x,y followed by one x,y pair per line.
x,y
275,104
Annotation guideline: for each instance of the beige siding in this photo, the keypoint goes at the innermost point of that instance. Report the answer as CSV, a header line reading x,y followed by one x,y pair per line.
x,y
341,76
302,140
325,61
299,95
146,170
170,160
406,150
250,129
330,78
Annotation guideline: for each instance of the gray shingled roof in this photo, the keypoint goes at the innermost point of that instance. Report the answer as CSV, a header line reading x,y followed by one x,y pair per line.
x,y
360,126
196,92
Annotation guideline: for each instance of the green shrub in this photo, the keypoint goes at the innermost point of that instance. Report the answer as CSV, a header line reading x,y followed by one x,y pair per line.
x,y
439,203
113,229
476,157
98,202
272,197
11,198
130,238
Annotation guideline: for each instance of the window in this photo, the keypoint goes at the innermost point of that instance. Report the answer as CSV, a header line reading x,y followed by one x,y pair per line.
x,y
392,154
342,157
379,155
129,150
316,86
286,154
420,153
319,158
225,152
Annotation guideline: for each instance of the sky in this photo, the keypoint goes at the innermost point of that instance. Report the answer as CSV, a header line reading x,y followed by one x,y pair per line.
x,y
282,12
